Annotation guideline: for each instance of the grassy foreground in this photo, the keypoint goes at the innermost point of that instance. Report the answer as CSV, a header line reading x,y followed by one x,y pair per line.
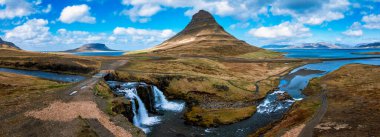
x,y
209,86
20,93
352,93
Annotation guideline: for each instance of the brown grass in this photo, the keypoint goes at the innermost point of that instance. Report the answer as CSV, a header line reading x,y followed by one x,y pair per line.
x,y
17,90
353,106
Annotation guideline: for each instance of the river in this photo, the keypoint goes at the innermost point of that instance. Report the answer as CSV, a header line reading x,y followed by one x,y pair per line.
x,y
45,75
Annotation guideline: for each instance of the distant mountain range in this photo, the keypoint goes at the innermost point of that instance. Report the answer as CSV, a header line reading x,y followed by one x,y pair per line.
x,y
370,45
8,45
321,45
91,47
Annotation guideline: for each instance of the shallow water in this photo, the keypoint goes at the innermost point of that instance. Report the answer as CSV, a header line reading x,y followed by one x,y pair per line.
x,y
45,75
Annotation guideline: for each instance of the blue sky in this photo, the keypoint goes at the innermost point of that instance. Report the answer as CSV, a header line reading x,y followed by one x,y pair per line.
x,y
53,25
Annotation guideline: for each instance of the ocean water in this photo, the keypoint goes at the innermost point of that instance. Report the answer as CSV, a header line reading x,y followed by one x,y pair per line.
x,y
326,53
103,53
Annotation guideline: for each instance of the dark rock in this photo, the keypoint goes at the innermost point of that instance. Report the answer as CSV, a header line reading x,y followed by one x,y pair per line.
x,y
283,96
221,87
124,107
145,92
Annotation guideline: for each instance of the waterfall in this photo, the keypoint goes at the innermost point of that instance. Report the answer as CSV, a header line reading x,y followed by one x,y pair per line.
x,y
161,102
141,117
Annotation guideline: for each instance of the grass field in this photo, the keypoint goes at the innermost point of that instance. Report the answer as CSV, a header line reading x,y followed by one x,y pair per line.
x,y
48,62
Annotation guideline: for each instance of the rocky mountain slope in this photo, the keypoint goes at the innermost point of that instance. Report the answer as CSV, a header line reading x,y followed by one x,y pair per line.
x,y
91,47
8,45
203,36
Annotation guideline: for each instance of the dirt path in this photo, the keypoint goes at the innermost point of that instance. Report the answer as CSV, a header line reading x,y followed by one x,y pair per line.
x,y
307,131
79,101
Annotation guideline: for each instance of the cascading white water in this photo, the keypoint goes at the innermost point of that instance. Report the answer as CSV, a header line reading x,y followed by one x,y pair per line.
x,y
141,117
270,104
161,102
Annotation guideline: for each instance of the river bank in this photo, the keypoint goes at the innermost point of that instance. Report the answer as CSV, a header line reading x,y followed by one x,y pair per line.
x,y
302,111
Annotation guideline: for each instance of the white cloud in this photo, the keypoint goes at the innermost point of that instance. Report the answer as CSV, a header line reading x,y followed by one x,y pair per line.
x,y
282,31
144,35
354,33
241,9
354,30
37,2
139,38
15,8
76,38
31,32
311,11
141,13
48,9
372,21
241,25
77,13
35,35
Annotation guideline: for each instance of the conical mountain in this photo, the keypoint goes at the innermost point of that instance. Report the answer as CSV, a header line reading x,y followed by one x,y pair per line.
x,y
8,45
203,36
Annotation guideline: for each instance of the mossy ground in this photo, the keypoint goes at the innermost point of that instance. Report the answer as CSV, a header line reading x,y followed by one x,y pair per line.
x,y
215,117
